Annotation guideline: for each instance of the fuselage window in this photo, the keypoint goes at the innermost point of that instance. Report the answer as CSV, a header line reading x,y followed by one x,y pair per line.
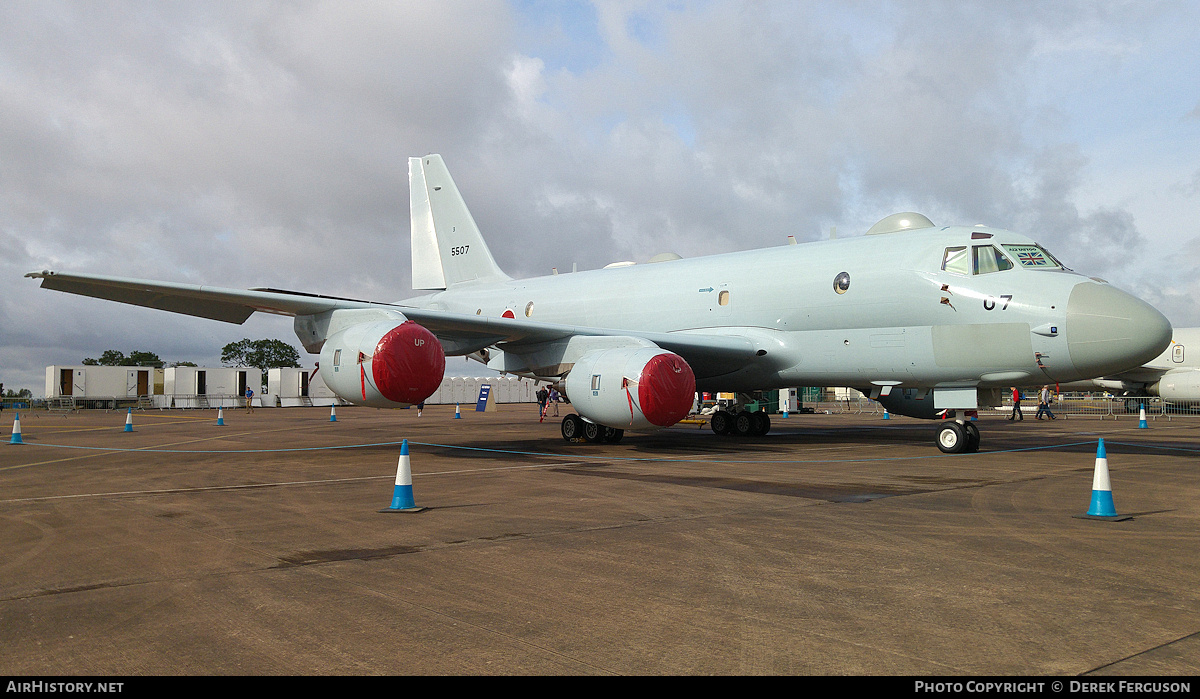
x,y
337,357
956,261
723,298
989,259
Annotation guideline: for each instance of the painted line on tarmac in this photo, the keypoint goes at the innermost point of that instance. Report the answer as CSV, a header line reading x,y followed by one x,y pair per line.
x,y
278,484
590,457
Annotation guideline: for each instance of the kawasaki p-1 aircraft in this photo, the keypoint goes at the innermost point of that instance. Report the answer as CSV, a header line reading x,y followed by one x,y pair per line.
x,y
932,322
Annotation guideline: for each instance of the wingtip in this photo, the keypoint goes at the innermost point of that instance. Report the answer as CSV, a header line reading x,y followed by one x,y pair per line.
x,y
39,275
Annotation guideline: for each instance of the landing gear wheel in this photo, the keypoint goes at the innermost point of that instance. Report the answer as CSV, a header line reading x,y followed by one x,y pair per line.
x,y
972,437
593,432
612,435
743,424
760,423
952,438
572,428
721,422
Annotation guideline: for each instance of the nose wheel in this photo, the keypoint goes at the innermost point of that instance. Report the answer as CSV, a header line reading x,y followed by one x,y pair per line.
x,y
958,437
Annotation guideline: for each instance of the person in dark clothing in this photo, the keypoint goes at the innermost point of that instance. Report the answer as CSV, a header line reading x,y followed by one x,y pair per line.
x,y
1016,398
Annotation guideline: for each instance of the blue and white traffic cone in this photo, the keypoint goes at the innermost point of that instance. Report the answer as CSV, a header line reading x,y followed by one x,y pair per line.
x,y
129,421
1142,419
16,433
1102,499
886,414
402,495
457,414
333,413
220,416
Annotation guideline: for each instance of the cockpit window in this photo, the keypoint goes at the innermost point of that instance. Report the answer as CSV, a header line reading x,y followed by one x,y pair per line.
x,y
988,259
1033,256
957,261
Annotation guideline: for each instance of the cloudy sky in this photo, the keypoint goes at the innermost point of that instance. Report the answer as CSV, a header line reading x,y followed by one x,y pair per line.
x,y
259,143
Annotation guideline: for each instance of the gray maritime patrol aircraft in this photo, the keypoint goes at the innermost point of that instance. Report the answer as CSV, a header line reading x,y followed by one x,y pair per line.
x,y
931,321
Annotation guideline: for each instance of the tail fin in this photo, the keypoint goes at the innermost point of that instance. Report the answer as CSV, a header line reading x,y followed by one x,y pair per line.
x,y
446,245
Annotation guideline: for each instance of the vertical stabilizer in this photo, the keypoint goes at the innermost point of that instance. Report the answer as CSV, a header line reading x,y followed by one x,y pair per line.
x,y
447,248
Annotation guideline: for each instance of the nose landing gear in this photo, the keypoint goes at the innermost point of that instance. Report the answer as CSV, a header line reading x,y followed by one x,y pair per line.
x,y
958,437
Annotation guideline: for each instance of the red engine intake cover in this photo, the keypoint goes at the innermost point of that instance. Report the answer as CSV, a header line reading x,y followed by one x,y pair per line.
x,y
408,363
666,389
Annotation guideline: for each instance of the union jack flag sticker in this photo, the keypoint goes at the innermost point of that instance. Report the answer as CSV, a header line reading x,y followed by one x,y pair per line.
x,y
1032,259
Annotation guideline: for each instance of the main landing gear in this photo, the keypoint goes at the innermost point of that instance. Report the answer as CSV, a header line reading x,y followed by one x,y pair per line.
x,y
743,423
958,437
575,428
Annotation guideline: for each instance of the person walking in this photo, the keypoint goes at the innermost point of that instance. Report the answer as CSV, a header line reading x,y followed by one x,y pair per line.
x,y
542,396
553,398
1016,399
249,400
1044,403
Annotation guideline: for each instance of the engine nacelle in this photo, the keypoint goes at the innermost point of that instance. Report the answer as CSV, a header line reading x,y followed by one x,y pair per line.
x,y
382,364
632,387
1178,385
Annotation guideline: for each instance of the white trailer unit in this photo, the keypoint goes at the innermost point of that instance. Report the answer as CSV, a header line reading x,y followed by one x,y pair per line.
x,y
295,386
86,383
208,387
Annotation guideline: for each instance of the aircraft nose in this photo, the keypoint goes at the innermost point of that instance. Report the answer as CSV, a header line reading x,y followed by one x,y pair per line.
x,y
1110,331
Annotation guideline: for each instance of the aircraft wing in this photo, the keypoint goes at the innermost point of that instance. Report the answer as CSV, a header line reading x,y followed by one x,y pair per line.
x,y
229,305
236,305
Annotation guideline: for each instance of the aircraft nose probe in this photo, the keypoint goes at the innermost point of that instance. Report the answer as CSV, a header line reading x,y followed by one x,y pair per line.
x,y
1109,331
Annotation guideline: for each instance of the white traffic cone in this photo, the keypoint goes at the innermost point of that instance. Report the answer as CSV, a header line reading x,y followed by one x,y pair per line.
x,y
1102,500
402,495
16,433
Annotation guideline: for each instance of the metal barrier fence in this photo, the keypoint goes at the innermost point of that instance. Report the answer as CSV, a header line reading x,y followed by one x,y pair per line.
x,y
149,402
1068,406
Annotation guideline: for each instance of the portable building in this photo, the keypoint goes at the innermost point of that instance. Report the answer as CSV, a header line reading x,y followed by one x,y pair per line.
x,y
208,387
295,386
92,385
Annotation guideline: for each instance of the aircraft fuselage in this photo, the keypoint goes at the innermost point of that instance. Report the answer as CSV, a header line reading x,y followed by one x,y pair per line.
x,y
902,320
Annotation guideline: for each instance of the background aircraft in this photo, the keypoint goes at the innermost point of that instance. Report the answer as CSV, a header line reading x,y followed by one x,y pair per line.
x,y
921,318
1173,375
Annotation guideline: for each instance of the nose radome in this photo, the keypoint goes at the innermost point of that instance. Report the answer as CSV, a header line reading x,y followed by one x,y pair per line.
x,y
1109,331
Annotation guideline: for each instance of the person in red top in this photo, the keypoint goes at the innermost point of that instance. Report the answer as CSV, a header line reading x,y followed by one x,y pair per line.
x,y
1016,397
